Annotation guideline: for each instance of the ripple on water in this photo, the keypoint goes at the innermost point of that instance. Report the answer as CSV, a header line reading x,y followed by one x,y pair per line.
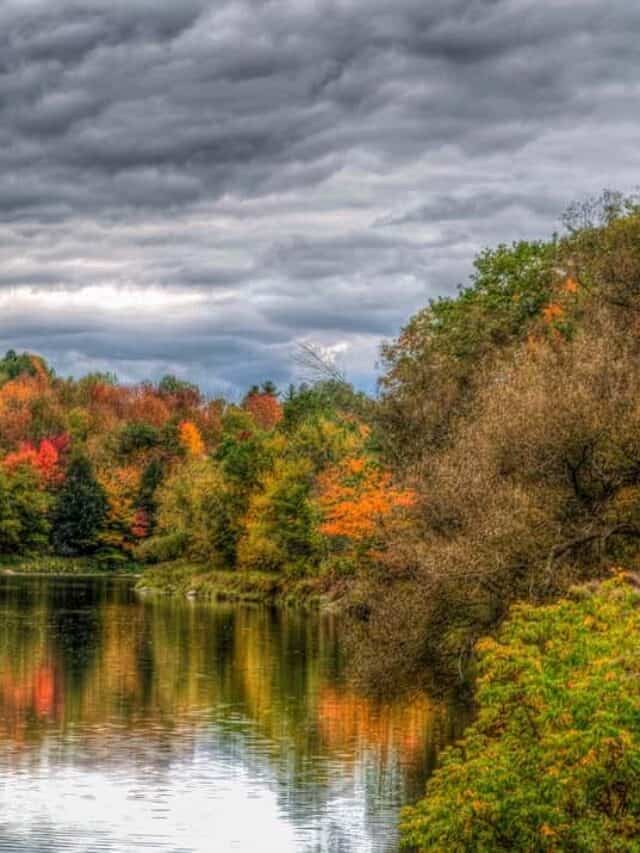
x,y
132,724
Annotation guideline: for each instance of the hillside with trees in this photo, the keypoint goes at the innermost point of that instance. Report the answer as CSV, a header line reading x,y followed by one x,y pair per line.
x,y
511,412
500,461
125,475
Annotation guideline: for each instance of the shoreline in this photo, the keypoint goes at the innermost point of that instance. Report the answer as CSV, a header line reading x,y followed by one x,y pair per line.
x,y
202,582
51,565
185,579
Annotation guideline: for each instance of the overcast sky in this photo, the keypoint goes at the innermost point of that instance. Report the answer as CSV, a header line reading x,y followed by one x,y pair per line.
x,y
196,186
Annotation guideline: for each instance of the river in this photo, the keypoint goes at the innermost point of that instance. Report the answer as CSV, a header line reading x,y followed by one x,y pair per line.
x,y
130,723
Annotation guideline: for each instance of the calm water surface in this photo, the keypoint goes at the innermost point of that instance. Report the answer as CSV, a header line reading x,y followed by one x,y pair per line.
x,y
134,724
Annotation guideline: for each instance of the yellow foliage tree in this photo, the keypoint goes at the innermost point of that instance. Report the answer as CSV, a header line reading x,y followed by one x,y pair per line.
x,y
193,509
281,523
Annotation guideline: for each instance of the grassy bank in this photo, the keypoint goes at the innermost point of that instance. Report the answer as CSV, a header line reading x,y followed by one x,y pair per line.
x,y
186,578
52,565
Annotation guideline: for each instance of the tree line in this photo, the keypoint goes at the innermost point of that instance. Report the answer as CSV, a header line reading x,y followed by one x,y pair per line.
x,y
286,482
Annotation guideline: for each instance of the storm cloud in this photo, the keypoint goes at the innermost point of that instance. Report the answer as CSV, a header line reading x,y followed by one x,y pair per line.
x,y
197,187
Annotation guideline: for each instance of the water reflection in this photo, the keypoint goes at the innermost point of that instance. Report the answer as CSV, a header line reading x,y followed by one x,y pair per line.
x,y
129,724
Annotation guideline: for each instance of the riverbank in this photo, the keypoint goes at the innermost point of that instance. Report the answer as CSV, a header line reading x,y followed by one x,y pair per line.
x,y
52,565
130,676
193,580
200,581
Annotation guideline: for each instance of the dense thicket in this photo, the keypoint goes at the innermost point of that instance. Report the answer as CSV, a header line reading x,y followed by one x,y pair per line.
x,y
552,761
512,411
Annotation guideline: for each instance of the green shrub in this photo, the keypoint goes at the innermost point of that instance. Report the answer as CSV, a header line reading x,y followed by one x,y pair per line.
x,y
162,548
24,525
553,760
138,436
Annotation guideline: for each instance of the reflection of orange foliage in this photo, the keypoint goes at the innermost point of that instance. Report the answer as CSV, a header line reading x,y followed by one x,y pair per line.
x,y
265,410
356,496
34,691
191,439
44,691
119,674
345,717
570,285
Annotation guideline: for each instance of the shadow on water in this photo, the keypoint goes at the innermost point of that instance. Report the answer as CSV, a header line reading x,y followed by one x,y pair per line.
x,y
130,723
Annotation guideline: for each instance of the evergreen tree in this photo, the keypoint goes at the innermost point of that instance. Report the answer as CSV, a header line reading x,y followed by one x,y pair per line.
x,y
152,477
80,510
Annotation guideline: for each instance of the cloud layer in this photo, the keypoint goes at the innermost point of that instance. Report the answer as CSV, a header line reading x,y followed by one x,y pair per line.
x,y
198,186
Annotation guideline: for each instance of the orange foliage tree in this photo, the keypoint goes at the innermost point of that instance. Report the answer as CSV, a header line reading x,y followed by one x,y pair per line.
x,y
44,459
358,500
147,406
191,439
16,400
264,408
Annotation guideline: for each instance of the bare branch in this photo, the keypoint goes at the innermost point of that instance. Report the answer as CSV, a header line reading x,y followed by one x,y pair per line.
x,y
601,536
318,365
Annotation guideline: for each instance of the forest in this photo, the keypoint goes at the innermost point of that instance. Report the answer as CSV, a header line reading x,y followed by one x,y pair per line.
x,y
124,475
497,469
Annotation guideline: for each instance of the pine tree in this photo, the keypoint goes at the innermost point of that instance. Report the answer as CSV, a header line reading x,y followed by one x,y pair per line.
x,y
80,510
147,503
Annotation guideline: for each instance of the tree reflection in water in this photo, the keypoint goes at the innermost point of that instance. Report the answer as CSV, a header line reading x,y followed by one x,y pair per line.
x,y
127,721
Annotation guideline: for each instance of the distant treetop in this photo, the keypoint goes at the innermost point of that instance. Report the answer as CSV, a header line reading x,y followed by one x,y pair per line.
x,y
14,365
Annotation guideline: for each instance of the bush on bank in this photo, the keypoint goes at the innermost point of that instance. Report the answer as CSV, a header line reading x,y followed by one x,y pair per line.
x,y
553,759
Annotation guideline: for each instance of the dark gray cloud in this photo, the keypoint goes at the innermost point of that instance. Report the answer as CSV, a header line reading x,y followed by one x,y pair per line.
x,y
198,186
